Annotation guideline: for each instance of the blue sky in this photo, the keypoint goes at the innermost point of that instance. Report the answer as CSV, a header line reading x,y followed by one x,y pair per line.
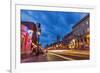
x,y
53,23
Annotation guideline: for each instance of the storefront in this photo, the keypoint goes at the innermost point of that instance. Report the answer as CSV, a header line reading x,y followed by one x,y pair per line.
x,y
28,35
26,40
87,41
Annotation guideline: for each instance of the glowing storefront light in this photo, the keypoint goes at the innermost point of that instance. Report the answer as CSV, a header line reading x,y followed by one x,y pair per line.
x,y
30,32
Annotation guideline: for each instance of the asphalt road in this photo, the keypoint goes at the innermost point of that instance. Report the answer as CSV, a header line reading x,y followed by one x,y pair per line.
x,y
56,56
44,58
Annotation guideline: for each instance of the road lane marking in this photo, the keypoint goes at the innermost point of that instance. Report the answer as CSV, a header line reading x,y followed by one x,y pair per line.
x,y
66,58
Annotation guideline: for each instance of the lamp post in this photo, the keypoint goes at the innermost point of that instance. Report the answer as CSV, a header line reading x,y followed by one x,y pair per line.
x,y
38,34
58,39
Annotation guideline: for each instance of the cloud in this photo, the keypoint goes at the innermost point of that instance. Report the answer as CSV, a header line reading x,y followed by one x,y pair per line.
x,y
53,23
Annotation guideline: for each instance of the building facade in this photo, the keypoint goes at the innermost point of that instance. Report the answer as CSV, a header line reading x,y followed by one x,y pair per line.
x,y
28,37
79,37
81,32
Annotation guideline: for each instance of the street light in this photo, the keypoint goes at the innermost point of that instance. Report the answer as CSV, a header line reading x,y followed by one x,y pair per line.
x,y
38,34
38,30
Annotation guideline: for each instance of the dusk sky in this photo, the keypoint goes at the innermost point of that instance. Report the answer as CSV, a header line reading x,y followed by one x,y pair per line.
x,y
53,23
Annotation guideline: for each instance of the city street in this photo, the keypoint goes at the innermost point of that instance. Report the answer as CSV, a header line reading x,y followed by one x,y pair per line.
x,y
54,36
58,55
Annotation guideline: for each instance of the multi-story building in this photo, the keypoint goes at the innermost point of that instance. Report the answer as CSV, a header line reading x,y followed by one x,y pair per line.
x,y
66,40
28,36
81,32
80,35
